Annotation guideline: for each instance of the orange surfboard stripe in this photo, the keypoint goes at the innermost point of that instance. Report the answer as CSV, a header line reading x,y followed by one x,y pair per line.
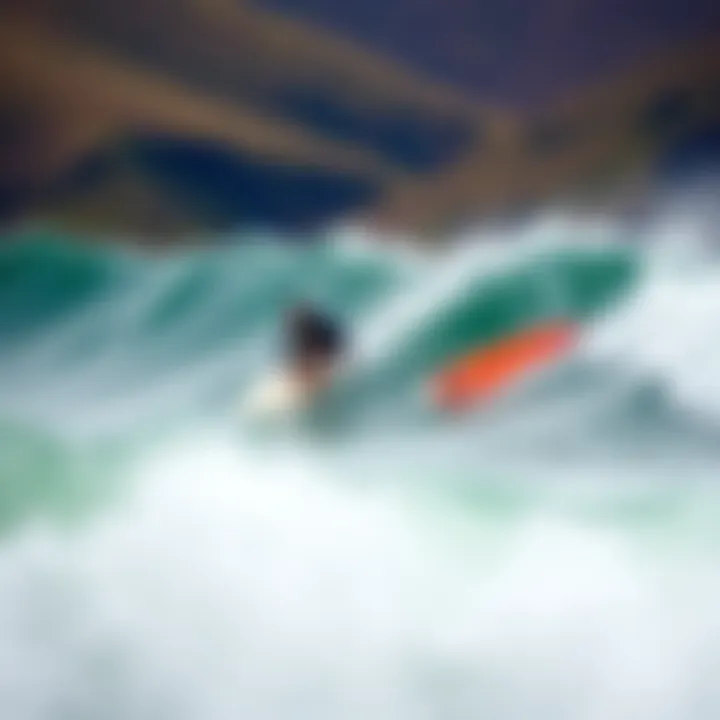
x,y
480,374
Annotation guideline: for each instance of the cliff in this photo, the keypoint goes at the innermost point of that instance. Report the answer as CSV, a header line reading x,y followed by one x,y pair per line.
x,y
170,117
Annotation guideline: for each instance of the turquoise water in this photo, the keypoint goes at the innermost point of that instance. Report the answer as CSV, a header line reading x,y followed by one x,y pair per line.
x,y
554,556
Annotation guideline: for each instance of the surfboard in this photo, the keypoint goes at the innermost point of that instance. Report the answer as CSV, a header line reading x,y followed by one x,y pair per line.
x,y
482,374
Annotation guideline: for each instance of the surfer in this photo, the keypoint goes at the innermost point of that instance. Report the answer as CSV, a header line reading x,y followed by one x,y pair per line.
x,y
316,345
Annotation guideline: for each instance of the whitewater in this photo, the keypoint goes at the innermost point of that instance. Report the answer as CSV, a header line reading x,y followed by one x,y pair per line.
x,y
555,556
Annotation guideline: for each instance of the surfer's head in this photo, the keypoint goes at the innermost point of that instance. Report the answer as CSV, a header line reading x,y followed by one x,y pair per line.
x,y
313,333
